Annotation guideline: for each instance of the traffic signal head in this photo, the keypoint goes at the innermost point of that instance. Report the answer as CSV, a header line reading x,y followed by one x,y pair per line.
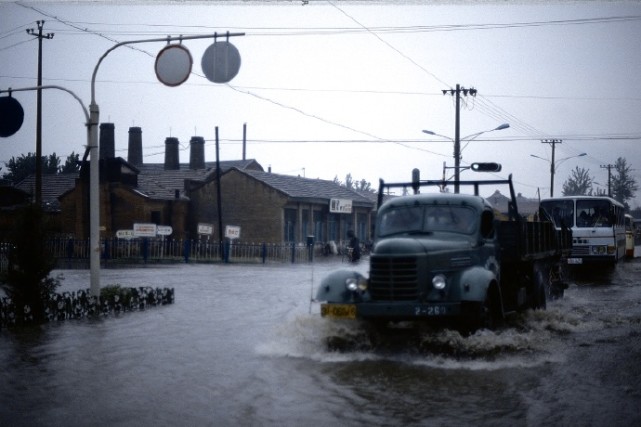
x,y
486,167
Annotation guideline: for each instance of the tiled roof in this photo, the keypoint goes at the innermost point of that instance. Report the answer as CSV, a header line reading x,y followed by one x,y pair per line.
x,y
156,182
297,187
52,187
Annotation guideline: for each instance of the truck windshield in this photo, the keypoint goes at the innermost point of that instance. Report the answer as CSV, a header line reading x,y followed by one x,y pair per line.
x,y
426,219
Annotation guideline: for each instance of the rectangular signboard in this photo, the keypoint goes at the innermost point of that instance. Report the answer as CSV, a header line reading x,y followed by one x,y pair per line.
x,y
144,230
125,234
205,228
232,232
164,230
340,206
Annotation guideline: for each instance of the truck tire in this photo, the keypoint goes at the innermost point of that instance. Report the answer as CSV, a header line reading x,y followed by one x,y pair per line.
x,y
488,314
541,289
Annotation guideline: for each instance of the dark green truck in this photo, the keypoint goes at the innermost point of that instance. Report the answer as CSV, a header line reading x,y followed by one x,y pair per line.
x,y
452,259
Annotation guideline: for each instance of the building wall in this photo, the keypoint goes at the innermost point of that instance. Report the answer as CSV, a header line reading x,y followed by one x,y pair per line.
x,y
247,203
267,215
120,208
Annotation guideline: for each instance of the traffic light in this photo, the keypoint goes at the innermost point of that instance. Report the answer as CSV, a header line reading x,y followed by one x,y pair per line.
x,y
416,180
486,167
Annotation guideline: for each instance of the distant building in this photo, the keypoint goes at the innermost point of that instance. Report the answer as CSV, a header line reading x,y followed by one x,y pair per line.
x,y
267,207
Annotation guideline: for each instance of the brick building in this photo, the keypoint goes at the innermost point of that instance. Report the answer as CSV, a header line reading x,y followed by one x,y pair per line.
x,y
267,207
275,208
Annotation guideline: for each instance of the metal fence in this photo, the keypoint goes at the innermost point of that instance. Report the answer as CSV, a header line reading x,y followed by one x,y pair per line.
x,y
74,253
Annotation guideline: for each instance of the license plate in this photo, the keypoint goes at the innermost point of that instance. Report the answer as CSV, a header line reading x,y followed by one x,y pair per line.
x,y
339,311
575,260
431,310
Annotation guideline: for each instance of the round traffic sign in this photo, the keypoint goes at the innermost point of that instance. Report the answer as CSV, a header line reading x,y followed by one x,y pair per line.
x,y
221,62
173,65
11,116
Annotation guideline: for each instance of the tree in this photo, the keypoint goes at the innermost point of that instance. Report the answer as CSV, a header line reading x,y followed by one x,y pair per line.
x,y
579,183
72,164
358,185
349,182
23,166
622,184
27,280
364,185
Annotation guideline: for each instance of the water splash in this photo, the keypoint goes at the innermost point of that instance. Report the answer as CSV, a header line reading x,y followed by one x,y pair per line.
x,y
531,338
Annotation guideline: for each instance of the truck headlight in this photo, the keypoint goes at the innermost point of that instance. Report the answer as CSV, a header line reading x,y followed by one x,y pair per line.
x,y
354,284
439,282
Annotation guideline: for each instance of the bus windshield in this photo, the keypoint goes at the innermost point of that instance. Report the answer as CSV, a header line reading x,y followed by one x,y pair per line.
x,y
561,212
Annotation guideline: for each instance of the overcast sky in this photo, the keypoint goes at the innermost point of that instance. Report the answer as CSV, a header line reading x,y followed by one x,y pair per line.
x,y
329,88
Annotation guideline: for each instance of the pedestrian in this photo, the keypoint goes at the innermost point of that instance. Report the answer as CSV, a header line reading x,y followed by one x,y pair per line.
x,y
353,247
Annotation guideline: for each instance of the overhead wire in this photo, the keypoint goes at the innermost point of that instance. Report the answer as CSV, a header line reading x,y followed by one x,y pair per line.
x,y
484,104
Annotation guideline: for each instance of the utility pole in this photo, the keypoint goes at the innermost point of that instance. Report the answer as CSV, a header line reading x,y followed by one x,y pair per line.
x,y
457,128
609,168
40,37
552,143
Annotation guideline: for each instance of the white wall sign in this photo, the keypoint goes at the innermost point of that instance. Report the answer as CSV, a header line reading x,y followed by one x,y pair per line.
x,y
164,230
205,228
340,206
144,230
232,231
125,234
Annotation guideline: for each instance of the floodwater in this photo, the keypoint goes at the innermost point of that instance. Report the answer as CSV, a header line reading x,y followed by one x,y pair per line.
x,y
243,346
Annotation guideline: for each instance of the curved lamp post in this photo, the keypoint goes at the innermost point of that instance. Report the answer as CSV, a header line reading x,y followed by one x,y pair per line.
x,y
458,150
553,165
92,145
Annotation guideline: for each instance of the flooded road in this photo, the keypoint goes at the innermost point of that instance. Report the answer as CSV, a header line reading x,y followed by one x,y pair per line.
x,y
242,345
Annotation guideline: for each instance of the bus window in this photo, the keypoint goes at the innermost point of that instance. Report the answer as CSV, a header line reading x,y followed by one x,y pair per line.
x,y
594,213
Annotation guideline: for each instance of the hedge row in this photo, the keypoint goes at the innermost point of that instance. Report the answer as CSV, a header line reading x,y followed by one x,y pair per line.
x,y
81,304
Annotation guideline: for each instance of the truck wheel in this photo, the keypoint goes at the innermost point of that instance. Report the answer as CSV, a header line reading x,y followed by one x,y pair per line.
x,y
488,314
541,289
489,318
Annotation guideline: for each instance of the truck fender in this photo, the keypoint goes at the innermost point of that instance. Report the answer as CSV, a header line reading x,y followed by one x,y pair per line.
x,y
332,287
475,282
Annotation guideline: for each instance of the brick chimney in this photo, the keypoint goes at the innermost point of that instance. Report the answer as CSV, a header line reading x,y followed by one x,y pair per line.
x,y
134,151
107,141
171,154
197,152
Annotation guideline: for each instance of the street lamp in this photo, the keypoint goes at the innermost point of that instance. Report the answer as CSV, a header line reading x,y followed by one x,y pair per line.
x,y
553,165
458,150
92,143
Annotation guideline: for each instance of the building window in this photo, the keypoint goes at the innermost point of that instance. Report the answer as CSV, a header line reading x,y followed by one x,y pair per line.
x,y
361,226
318,226
290,225
305,218
346,225
155,217
332,227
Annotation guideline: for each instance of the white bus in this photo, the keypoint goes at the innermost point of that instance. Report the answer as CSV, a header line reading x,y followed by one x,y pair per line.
x,y
597,224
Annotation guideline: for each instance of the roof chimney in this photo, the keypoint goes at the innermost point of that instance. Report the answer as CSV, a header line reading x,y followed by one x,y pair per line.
x,y
134,152
107,141
171,154
197,152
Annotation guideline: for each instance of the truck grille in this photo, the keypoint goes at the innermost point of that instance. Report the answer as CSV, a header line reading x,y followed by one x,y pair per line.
x,y
580,250
393,278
